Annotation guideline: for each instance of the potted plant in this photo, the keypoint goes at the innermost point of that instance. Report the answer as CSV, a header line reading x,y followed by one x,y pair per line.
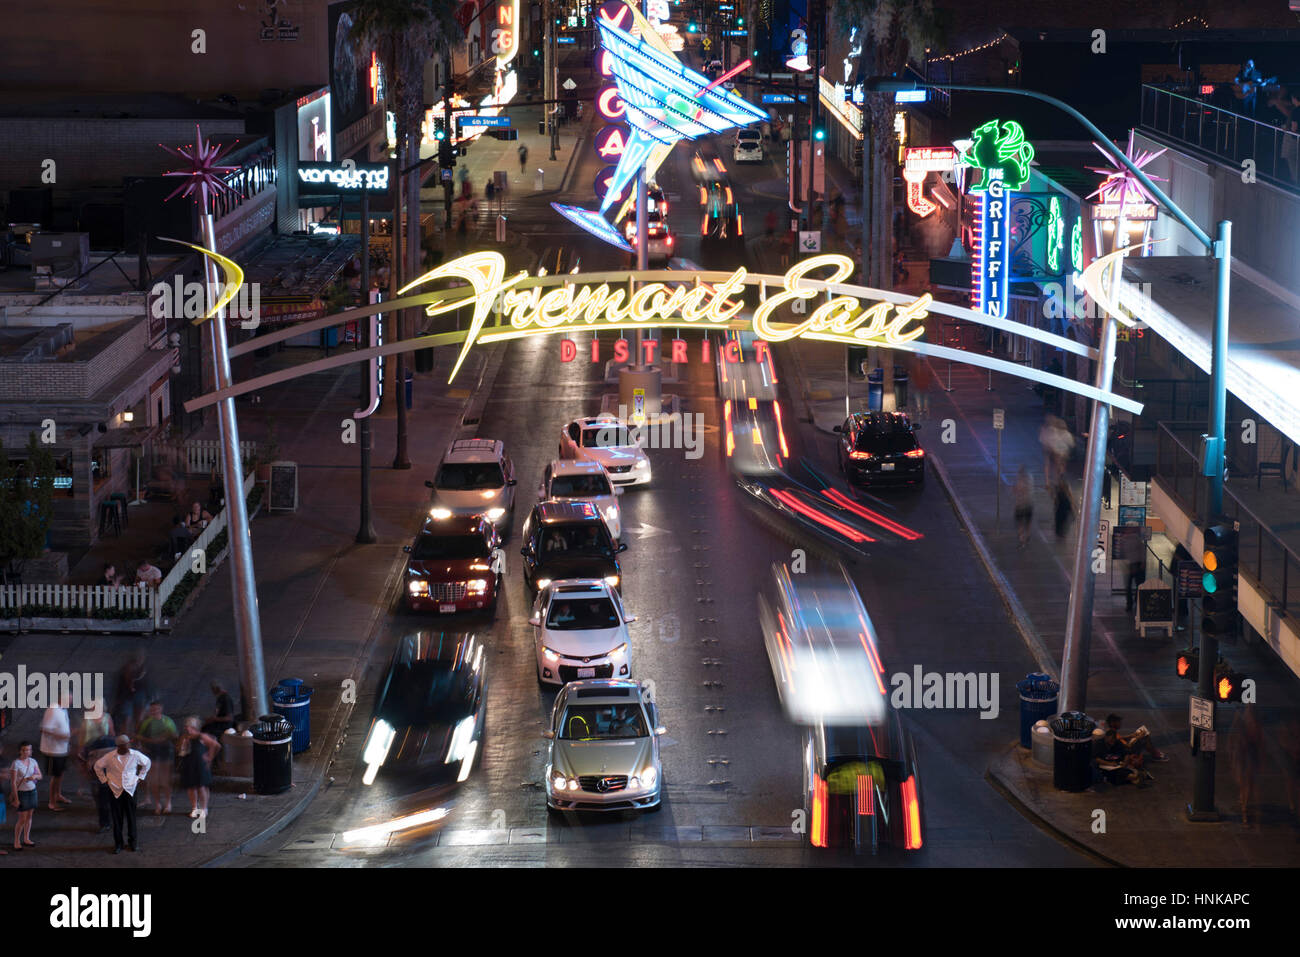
x,y
267,452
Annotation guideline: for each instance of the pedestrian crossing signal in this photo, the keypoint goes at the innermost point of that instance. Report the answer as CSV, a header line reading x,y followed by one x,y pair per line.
x,y
1228,685
1188,665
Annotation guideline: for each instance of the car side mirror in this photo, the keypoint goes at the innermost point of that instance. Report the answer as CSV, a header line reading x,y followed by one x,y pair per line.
x,y
618,491
660,730
622,546
535,620
407,549
548,735
630,618
428,483
512,482
838,428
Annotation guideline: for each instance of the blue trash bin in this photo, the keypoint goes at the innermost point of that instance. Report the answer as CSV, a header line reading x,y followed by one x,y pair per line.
x,y
875,390
291,699
1038,697
410,387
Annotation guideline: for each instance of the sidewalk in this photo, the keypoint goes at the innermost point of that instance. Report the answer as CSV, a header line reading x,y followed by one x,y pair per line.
x,y
1128,675
323,600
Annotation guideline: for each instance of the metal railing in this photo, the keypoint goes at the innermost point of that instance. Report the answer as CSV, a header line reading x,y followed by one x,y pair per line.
x,y
204,455
1262,554
38,601
1231,137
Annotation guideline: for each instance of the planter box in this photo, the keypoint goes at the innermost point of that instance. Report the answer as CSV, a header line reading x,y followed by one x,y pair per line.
x,y
11,624
112,626
56,624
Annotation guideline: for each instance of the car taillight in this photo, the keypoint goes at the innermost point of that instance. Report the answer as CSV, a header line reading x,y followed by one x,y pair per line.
x,y
731,438
670,241
780,430
866,795
855,454
818,832
911,815
916,454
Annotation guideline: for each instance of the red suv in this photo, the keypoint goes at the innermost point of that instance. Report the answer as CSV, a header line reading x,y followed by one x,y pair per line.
x,y
455,565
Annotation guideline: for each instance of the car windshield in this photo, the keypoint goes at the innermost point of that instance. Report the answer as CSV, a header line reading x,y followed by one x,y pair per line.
x,y
598,722
880,441
748,137
576,486
581,614
586,538
449,546
606,437
426,692
467,476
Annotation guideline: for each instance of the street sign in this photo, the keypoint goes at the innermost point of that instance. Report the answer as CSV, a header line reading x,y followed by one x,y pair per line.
x,y
1132,515
1209,741
810,242
999,418
638,405
564,41
770,98
485,121
1189,580
569,84
706,43
1201,713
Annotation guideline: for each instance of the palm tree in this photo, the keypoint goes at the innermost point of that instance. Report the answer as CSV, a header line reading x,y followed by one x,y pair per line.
x,y
405,34
893,31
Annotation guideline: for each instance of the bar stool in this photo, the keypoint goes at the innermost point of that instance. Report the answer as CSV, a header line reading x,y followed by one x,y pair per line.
x,y
119,499
109,518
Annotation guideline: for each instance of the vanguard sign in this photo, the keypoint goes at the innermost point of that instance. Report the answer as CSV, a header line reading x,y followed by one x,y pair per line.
x,y
810,301
349,175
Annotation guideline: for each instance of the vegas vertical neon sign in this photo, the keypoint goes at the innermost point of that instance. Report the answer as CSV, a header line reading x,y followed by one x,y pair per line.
x,y
1000,151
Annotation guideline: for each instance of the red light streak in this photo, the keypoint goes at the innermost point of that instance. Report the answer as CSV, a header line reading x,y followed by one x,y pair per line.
x,y
821,518
839,498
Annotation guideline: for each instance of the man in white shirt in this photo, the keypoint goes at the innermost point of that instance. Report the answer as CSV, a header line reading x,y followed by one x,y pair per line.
x,y
122,770
55,735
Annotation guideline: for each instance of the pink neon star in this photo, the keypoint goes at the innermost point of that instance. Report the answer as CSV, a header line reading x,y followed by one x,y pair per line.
x,y
203,177
1120,184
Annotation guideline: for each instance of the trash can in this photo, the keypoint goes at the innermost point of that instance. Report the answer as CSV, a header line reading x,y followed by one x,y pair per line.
x,y
237,754
1038,695
541,127
900,388
423,363
292,701
272,758
875,390
410,387
1072,751
1040,751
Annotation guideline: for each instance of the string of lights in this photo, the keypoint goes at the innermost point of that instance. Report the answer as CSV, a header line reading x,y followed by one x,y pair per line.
x,y
1201,20
983,46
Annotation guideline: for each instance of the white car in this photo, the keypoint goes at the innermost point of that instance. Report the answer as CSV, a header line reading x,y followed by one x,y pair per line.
x,y
749,147
580,631
579,480
604,748
659,238
604,439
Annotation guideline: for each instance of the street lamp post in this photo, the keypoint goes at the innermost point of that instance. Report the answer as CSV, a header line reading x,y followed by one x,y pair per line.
x,y
1078,634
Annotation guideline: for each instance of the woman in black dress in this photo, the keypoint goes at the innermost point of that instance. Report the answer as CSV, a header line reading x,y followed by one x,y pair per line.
x,y
194,753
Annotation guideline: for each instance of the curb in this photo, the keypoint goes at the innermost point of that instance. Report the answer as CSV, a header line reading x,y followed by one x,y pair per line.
x,y
1010,600
342,714
1046,826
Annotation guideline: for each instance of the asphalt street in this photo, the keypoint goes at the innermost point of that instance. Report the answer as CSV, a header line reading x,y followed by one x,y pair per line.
x,y
698,554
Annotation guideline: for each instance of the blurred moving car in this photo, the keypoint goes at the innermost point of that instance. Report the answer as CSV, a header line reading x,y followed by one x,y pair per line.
x,y
656,202
429,709
604,439
752,417
454,565
880,448
475,477
659,238
568,540
861,784
722,223
581,480
604,751
748,147
580,631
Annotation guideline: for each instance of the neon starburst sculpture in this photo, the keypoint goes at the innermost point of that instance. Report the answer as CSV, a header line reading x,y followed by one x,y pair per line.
x,y
1120,186
202,175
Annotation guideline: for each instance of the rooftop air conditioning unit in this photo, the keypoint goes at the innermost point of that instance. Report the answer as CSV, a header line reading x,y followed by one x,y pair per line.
x,y
67,254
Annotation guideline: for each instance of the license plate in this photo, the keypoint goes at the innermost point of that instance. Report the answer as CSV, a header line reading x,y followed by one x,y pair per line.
x,y
446,609
886,466
586,672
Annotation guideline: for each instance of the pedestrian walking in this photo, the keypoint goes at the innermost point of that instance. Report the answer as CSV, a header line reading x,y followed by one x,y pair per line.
x,y
91,752
523,158
1064,506
196,750
55,738
132,693
94,725
23,775
1247,751
157,736
1024,506
122,769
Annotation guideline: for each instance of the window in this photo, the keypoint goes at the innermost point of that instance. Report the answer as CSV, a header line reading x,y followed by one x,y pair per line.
x,y
606,437
433,547
579,486
469,476
595,722
581,614
587,538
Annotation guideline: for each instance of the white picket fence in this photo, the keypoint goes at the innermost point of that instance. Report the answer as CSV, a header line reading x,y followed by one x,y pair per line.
x,y
90,598
183,566
204,455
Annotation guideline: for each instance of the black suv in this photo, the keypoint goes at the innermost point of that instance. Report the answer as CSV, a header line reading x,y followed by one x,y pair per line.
x,y
880,448
568,540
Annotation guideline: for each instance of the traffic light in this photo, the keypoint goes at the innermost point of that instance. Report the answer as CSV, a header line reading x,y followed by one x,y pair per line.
x,y
1219,581
440,129
857,157
1188,665
740,21
1227,683
819,133
446,154
692,28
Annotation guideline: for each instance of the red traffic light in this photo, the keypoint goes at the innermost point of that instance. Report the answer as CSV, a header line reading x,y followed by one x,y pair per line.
x,y
1188,665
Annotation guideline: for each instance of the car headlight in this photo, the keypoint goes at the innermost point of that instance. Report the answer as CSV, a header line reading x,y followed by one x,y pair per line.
x,y
542,583
549,655
382,736
419,589
440,513
641,464
620,651
559,782
611,513
494,514
476,587
460,740
649,776
611,581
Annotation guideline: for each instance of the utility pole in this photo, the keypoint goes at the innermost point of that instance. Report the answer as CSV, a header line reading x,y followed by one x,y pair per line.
x,y
548,54
366,531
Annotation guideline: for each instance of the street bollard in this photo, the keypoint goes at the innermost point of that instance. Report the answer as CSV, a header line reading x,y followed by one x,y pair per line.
x,y
540,182
501,229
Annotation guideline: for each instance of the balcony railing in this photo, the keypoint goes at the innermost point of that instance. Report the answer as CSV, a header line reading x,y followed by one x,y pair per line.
x,y
1262,555
1225,135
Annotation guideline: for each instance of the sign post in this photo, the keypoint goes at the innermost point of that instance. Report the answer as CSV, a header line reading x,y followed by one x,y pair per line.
x,y
999,425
